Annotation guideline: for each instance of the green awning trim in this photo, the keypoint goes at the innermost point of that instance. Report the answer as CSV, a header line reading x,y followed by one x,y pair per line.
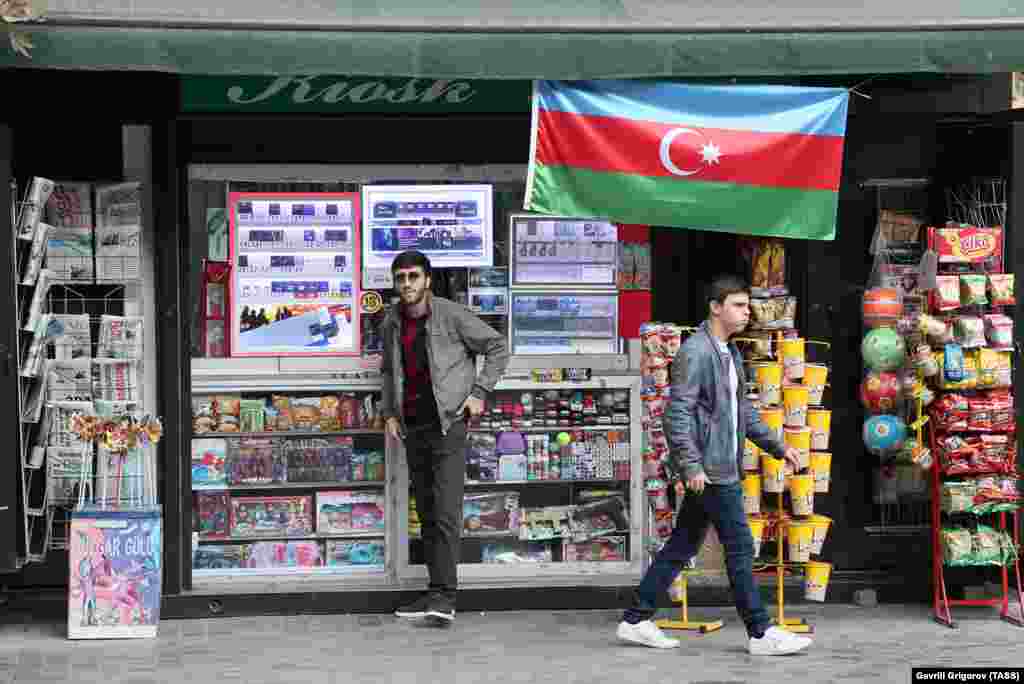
x,y
468,55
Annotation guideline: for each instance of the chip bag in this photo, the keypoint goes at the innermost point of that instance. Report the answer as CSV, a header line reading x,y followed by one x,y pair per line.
x,y
956,546
999,331
1001,289
973,289
970,332
946,296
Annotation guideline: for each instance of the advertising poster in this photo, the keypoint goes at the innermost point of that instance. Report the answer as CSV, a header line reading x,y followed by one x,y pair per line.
x,y
564,323
295,289
452,224
115,583
561,251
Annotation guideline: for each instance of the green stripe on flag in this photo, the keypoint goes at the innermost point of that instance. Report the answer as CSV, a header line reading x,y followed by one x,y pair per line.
x,y
724,207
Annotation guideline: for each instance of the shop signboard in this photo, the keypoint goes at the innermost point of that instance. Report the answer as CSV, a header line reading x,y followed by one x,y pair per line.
x,y
338,94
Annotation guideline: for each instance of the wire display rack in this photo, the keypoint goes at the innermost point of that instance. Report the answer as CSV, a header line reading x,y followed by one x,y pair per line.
x,y
80,351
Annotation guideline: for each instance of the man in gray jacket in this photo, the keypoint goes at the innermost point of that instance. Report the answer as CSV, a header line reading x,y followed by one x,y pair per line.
x,y
429,385
709,420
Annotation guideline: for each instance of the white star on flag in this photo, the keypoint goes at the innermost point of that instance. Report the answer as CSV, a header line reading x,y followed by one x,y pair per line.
x,y
710,153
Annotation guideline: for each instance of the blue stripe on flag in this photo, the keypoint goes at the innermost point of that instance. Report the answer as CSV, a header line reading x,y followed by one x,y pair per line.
x,y
766,109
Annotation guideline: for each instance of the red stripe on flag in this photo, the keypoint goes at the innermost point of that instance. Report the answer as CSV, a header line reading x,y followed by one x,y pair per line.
x,y
785,160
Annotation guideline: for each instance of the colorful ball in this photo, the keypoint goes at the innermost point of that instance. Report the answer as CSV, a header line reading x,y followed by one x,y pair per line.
x,y
884,433
563,438
880,391
882,306
883,350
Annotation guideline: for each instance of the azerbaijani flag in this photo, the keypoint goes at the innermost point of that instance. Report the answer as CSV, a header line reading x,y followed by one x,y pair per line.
x,y
758,160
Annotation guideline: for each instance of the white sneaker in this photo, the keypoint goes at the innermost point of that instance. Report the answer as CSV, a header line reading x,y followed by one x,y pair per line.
x,y
645,633
777,642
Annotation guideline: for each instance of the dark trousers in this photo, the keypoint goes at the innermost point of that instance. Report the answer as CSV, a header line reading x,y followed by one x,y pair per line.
x,y
721,506
437,469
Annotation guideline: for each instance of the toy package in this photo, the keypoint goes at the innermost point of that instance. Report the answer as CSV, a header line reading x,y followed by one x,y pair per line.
x,y
492,513
600,518
481,458
350,513
517,553
209,460
272,516
322,459
214,515
218,557
342,553
256,460
601,549
295,554
550,522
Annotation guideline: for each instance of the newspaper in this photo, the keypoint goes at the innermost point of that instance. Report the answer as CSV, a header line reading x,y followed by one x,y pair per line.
x,y
118,231
36,352
33,410
70,336
69,380
120,337
30,273
59,419
32,210
35,308
70,206
115,380
69,253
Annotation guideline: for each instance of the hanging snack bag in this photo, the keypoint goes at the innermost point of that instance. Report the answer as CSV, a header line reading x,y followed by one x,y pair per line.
x,y
947,293
778,313
956,546
980,417
973,289
970,332
999,331
953,363
283,407
987,547
1000,288
1003,415
329,414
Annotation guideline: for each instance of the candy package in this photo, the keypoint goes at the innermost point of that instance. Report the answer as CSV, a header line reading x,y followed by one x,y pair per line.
x,y
973,288
329,414
947,293
958,497
282,407
1003,415
970,332
950,412
778,313
999,331
1001,289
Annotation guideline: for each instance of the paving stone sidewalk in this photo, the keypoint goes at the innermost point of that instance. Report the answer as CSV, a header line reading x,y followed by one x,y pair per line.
x,y
852,644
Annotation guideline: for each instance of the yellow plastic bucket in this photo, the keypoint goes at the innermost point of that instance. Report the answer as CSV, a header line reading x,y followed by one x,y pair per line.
x,y
799,536
751,457
820,422
800,439
793,359
821,466
773,475
801,492
752,493
757,532
815,379
816,579
794,399
769,383
819,525
775,419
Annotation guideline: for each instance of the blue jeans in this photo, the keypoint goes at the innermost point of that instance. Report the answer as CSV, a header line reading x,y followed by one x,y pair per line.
x,y
721,506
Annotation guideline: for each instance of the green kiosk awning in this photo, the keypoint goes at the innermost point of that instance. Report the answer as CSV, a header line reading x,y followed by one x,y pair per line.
x,y
526,39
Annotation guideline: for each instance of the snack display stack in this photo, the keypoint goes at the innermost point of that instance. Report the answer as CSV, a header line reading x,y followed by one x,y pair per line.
x,y
966,360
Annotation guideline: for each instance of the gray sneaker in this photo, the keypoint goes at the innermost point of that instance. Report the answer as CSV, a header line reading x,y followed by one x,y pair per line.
x,y
416,609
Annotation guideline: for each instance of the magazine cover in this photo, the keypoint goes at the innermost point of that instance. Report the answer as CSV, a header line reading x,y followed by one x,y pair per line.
x,y
209,463
218,557
213,512
342,553
601,549
350,513
115,578
70,206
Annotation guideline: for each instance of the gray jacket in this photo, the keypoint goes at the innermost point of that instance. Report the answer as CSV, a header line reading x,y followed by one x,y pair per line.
x,y
454,337
699,415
